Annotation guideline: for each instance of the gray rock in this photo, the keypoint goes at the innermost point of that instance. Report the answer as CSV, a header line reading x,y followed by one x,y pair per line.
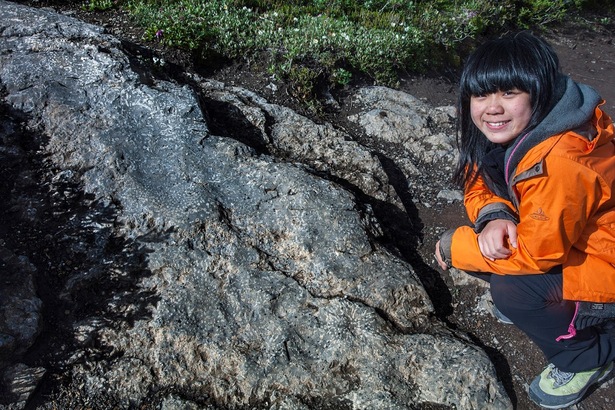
x,y
20,307
243,277
295,138
451,195
401,120
21,381
417,138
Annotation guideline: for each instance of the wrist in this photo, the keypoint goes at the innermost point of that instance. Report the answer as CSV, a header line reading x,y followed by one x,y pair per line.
x,y
444,250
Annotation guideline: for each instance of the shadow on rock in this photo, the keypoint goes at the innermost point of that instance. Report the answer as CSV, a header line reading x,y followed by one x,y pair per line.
x,y
404,230
84,273
226,119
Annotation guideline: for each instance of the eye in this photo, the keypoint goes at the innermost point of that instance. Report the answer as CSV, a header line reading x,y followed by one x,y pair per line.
x,y
512,92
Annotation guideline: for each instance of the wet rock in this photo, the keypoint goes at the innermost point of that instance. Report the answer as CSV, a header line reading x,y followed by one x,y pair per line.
x,y
20,307
226,249
21,381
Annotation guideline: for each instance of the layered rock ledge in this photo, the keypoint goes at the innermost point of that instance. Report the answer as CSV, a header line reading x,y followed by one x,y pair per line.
x,y
173,242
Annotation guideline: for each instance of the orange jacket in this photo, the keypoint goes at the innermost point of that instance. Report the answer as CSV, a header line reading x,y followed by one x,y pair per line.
x,y
563,192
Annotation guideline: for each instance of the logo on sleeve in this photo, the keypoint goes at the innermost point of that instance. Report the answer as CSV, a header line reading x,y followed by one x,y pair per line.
x,y
539,215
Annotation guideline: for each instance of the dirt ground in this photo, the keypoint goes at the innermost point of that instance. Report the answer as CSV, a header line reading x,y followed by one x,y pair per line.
x,y
587,53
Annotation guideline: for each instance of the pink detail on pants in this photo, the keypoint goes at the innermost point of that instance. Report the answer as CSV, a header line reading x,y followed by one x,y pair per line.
x,y
572,331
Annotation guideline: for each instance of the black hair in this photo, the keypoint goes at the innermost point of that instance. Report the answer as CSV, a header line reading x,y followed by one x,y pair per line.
x,y
522,61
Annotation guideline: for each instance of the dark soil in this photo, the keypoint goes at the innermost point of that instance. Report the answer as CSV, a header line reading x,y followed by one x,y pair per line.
x,y
587,53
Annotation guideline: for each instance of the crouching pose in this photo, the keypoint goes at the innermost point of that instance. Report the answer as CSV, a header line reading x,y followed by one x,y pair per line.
x,y
537,163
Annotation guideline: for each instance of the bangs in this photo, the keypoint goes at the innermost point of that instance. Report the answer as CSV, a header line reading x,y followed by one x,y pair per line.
x,y
498,69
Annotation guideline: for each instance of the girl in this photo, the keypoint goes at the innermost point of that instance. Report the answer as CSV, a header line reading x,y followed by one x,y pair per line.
x,y
537,162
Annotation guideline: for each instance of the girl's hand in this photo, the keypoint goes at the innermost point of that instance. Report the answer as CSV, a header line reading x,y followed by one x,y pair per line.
x,y
441,263
494,239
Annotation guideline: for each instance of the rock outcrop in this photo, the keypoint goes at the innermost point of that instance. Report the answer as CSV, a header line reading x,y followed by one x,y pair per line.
x,y
172,242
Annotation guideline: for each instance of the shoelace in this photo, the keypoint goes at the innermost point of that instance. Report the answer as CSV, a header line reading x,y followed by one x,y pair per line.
x,y
560,377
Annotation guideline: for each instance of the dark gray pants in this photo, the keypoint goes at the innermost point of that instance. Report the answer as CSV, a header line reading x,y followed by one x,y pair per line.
x,y
534,303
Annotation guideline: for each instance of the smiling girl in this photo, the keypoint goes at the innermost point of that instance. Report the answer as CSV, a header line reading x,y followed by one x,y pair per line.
x,y
537,163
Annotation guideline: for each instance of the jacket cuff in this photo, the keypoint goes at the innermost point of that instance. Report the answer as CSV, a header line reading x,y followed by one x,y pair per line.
x,y
446,242
496,210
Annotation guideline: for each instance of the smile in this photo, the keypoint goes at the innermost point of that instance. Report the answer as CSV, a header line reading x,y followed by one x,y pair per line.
x,y
496,124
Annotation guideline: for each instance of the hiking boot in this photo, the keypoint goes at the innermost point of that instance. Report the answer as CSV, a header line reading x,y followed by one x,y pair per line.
x,y
555,389
500,316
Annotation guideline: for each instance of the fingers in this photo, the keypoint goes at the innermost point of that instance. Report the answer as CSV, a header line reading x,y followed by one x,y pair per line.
x,y
442,265
497,238
493,246
438,256
512,234
493,249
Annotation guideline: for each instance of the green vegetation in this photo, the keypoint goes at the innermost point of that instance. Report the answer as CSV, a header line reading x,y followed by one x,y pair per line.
x,y
98,5
317,42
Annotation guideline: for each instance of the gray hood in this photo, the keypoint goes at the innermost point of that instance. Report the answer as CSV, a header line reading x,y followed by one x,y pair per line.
x,y
573,110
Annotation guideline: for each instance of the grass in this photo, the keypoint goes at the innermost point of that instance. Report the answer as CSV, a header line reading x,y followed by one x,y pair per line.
x,y
327,42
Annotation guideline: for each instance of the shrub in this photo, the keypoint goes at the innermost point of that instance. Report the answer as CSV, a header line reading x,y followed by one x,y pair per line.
x,y
99,5
379,38
541,12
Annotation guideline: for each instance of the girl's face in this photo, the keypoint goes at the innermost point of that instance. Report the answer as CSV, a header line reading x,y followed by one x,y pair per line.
x,y
502,115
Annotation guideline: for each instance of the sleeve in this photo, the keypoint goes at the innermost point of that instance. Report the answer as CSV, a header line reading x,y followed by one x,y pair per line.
x,y
483,206
552,216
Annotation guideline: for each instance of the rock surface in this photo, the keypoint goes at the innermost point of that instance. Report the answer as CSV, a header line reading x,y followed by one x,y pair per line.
x,y
199,247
